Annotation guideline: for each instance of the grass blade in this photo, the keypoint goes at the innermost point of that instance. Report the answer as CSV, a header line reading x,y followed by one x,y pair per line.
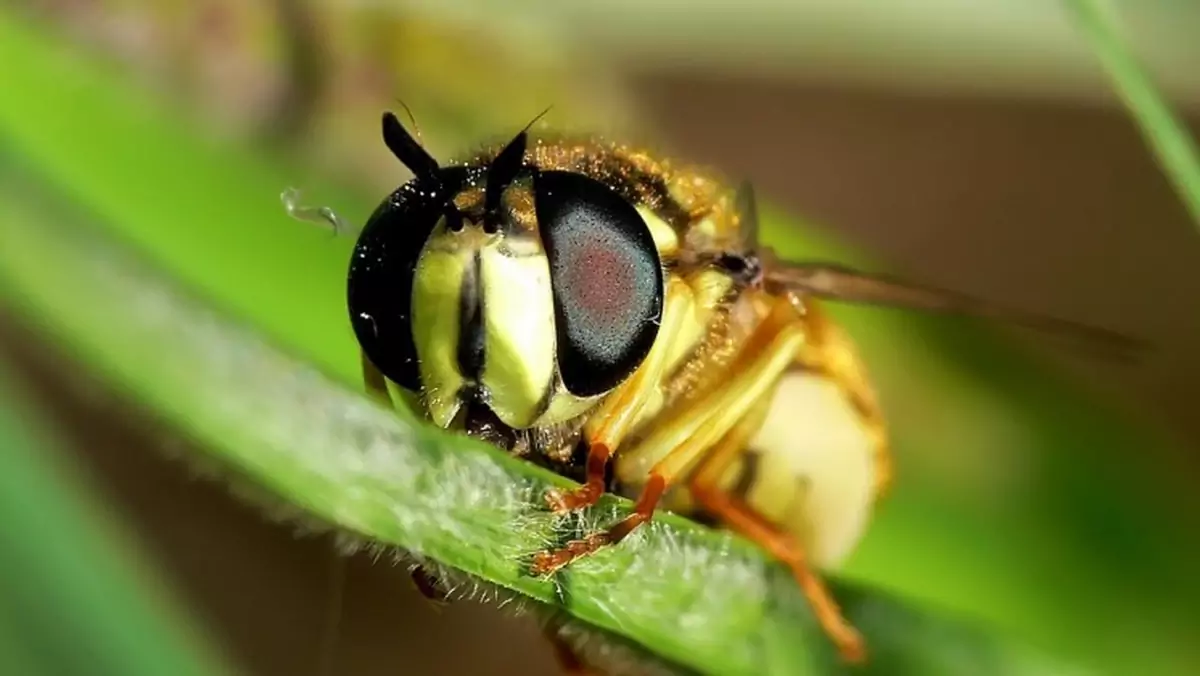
x,y
1170,140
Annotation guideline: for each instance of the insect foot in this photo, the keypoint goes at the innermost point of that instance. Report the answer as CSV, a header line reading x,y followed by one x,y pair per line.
x,y
561,501
547,562
851,646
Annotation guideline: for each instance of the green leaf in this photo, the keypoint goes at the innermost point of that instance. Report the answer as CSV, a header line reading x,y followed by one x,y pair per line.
x,y
71,601
1170,140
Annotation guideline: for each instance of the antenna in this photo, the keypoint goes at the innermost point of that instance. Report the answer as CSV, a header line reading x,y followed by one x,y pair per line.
x,y
407,150
505,167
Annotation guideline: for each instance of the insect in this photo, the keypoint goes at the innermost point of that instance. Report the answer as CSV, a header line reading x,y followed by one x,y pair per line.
x,y
584,304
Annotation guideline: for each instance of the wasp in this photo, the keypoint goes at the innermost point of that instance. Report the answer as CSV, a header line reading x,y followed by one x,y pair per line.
x,y
587,305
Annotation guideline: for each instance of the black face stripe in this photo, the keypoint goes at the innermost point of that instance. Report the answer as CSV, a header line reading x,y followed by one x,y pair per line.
x,y
470,327
543,404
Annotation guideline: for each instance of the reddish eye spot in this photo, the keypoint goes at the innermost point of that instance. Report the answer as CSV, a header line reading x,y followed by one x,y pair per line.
x,y
601,280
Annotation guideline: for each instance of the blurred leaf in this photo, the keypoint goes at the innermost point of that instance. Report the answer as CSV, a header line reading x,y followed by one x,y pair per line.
x,y
1169,139
73,602
994,47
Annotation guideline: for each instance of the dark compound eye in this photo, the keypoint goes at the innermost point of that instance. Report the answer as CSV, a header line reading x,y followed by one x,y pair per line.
x,y
380,284
606,277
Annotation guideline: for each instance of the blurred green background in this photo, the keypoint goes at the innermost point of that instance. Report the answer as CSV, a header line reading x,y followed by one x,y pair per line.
x,y
978,148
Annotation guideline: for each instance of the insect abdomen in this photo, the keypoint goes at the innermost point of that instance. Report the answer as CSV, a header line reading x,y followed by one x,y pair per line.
x,y
810,467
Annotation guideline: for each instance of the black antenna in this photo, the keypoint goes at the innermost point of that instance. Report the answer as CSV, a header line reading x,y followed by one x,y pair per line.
x,y
504,169
407,150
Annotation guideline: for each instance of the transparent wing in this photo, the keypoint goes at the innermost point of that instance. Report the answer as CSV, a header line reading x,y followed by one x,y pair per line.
x,y
840,283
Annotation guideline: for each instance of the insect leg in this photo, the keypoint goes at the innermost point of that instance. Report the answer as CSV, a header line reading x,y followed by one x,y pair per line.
x,y
429,586
706,490
681,441
832,353
621,410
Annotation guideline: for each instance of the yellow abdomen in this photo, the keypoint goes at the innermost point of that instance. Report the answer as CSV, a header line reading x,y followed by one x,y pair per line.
x,y
810,468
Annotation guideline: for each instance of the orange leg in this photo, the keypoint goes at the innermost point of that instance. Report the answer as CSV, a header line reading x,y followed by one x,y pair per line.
x,y
561,501
681,442
831,352
545,563
705,488
429,586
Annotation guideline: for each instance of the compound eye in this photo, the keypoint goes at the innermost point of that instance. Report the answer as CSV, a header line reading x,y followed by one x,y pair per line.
x,y
380,283
606,276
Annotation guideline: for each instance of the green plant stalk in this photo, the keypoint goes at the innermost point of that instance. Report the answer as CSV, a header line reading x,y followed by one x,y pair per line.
x,y
340,458
71,601
1169,139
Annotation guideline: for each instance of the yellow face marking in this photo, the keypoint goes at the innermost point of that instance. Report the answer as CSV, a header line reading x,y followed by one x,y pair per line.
x,y
519,334
512,283
565,406
437,293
